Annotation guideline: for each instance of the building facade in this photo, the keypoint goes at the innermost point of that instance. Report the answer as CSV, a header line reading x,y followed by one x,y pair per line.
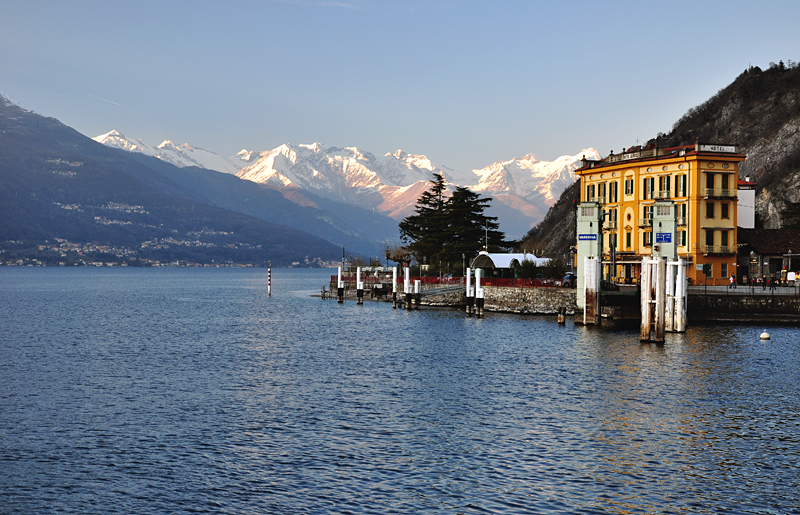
x,y
695,184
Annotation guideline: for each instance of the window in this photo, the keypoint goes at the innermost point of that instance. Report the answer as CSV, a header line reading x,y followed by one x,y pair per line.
x,y
664,210
587,211
709,270
724,210
710,181
664,185
628,240
590,193
723,272
649,185
710,238
681,238
614,192
629,186
680,186
601,192
724,241
709,210
647,212
725,178
647,238
682,210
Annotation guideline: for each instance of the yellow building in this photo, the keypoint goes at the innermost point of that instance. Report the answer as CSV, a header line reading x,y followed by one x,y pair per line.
x,y
700,179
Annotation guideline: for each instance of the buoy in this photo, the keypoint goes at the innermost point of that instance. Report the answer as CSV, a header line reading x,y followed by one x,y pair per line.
x,y
765,335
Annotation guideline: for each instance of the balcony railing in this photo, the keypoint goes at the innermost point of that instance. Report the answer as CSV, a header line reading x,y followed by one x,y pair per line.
x,y
680,193
662,194
610,224
681,221
598,199
718,193
719,249
645,222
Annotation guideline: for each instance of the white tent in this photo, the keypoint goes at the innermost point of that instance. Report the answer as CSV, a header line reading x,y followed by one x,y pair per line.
x,y
489,261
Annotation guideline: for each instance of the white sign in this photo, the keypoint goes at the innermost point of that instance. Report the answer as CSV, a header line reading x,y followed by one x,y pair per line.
x,y
718,148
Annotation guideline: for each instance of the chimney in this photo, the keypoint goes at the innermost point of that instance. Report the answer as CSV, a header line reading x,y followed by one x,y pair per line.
x,y
747,178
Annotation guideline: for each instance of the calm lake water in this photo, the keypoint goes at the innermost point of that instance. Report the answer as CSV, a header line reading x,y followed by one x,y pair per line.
x,y
192,391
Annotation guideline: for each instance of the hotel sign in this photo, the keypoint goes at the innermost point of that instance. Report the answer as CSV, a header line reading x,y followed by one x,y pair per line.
x,y
587,237
718,148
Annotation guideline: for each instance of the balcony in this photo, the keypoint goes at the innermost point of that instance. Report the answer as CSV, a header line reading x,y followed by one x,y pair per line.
x,y
662,194
719,249
718,193
645,222
609,224
598,199
681,221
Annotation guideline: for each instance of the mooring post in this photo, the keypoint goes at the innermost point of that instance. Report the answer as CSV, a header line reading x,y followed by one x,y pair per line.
x,y
591,291
394,287
660,287
340,287
470,293
647,300
417,294
680,298
562,316
669,323
478,293
359,287
269,280
407,287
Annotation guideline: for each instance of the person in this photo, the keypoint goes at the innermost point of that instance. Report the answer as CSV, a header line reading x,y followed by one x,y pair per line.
x,y
733,282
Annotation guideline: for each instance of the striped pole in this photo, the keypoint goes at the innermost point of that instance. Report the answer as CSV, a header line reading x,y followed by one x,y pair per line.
x,y
269,280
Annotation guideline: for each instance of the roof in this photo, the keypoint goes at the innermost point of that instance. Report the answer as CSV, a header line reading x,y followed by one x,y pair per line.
x,y
742,182
486,260
660,154
770,241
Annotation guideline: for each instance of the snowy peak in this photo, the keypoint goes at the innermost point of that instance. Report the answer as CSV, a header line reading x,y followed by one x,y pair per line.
x,y
178,154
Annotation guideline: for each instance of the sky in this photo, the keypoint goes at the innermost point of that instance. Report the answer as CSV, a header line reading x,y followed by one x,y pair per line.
x,y
465,83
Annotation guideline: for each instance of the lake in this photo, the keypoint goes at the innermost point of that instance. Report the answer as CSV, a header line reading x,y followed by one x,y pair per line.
x,y
183,390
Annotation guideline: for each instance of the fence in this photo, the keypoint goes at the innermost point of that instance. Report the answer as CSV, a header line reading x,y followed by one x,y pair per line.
x,y
448,281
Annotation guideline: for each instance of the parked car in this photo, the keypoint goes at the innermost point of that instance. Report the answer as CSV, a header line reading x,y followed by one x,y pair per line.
x,y
569,281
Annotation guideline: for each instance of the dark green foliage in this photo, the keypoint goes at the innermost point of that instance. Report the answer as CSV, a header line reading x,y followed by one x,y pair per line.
x,y
443,230
554,269
527,269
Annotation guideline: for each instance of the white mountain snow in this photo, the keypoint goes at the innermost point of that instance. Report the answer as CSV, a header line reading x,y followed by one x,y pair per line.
x,y
179,155
523,188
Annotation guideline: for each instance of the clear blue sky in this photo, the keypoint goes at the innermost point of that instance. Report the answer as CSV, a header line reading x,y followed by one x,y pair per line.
x,y
466,83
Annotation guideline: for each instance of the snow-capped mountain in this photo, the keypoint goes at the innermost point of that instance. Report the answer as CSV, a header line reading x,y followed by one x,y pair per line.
x,y
179,155
523,188
391,183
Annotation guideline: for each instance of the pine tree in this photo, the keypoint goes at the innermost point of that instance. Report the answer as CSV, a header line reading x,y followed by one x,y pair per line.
x,y
423,233
790,215
444,229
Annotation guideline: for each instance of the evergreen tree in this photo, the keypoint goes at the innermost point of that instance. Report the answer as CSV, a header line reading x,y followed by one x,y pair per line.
x,y
444,229
423,233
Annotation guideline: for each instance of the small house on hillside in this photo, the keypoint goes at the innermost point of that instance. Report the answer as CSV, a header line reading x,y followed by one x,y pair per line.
x,y
503,265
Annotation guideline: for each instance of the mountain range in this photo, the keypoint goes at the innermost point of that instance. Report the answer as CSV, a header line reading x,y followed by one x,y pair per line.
x,y
523,189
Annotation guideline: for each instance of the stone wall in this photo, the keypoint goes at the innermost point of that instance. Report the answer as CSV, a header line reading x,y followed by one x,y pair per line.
x,y
743,308
540,301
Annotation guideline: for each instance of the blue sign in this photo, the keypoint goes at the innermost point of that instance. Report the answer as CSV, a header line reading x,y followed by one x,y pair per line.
x,y
587,237
663,237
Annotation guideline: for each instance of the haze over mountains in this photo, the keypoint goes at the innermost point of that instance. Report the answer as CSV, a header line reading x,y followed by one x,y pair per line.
x,y
523,188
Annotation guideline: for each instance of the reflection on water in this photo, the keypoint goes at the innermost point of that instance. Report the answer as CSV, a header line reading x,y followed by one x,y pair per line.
x,y
163,391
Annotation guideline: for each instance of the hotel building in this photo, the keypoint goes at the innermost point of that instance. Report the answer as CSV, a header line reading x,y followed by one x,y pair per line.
x,y
699,180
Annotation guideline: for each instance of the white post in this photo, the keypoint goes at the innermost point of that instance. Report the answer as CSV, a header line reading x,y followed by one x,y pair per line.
x,y
669,323
339,283
470,293
661,276
394,287
407,281
479,295
591,290
680,298
646,281
416,294
359,287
